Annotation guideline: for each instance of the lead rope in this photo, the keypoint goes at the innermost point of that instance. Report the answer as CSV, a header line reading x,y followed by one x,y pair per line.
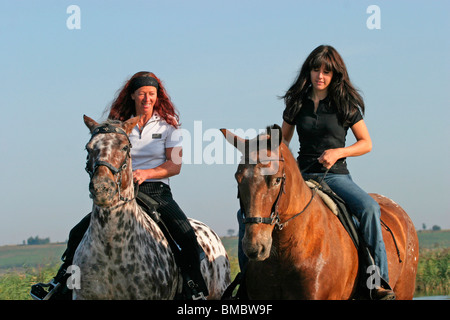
x,y
393,238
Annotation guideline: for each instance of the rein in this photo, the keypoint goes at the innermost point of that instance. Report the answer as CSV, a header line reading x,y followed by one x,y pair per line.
x,y
274,218
117,172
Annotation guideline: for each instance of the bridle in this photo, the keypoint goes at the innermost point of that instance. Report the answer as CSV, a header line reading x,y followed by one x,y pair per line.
x,y
274,218
117,172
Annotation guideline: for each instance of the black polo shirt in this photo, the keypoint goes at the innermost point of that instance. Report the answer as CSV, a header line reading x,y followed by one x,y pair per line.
x,y
319,131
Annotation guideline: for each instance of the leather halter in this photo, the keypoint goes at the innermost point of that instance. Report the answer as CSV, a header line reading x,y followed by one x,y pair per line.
x,y
109,128
274,216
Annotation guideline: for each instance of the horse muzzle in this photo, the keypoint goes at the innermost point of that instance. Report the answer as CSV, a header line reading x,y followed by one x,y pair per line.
x,y
257,245
102,190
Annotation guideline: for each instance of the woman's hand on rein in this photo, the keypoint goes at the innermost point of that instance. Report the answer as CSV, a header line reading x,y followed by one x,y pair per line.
x,y
139,176
329,157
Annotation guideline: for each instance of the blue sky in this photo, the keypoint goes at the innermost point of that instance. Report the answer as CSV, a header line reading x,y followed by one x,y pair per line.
x,y
224,63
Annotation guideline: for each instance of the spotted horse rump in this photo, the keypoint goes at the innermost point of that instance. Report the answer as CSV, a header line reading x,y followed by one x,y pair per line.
x,y
124,254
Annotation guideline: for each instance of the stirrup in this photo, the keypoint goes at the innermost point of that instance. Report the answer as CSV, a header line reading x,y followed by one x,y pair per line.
x,y
196,294
38,292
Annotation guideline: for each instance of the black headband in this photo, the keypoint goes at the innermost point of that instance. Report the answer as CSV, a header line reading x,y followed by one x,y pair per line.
x,y
143,81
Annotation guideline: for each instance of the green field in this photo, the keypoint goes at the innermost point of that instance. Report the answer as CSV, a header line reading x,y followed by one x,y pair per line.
x,y
26,256
22,266
434,239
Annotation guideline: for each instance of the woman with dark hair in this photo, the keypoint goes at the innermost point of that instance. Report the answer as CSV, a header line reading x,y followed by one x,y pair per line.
x,y
323,104
156,156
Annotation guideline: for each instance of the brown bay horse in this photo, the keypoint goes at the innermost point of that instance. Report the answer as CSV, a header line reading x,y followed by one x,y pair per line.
x,y
311,256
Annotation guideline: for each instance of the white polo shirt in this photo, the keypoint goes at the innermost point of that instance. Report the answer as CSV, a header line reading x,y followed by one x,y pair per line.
x,y
149,146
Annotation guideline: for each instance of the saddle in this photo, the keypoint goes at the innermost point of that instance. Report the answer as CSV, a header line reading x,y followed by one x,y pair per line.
x,y
150,206
338,207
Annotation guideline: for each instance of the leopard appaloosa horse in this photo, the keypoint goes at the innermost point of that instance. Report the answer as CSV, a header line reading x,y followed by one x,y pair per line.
x,y
124,254
297,248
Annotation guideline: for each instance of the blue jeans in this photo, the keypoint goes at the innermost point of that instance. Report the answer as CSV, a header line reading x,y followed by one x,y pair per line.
x,y
361,205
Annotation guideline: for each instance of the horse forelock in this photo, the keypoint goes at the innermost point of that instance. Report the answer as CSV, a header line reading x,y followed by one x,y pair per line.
x,y
102,147
109,144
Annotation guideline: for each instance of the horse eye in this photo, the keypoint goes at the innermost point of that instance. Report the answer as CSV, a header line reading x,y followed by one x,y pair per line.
x,y
277,180
126,148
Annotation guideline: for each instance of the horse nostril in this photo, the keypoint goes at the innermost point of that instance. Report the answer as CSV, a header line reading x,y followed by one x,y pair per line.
x,y
252,254
101,187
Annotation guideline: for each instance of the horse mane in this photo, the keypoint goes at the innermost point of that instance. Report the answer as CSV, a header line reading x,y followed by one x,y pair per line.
x,y
264,141
272,132
113,122
116,123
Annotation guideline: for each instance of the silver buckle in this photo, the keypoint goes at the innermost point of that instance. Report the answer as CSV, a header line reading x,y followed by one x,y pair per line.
x,y
50,293
200,296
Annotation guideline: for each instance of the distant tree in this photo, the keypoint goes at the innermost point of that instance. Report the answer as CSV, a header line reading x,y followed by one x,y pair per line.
x,y
424,226
37,240
230,232
436,228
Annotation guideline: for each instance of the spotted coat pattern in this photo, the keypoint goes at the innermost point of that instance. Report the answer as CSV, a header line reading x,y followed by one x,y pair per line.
x,y
124,254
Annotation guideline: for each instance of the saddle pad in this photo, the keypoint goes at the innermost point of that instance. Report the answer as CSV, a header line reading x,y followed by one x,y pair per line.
x,y
325,198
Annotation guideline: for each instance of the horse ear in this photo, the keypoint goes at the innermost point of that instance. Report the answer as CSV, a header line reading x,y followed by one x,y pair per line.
x,y
235,140
275,132
90,123
130,124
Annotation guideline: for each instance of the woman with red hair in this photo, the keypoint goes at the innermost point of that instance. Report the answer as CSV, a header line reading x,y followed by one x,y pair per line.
x,y
156,155
123,107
